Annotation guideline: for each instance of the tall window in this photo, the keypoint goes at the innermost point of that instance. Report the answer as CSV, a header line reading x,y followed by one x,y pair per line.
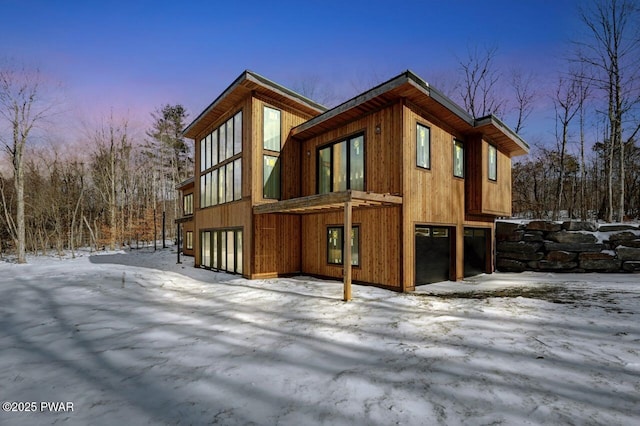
x,y
187,204
222,250
271,177
188,240
335,245
271,129
493,163
423,146
271,158
341,166
221,163
458,158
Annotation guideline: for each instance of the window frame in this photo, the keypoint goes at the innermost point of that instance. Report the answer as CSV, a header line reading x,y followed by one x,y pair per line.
x,y
187,204
493,169
347,147
354,258
428,148
222,153
220,254
458,143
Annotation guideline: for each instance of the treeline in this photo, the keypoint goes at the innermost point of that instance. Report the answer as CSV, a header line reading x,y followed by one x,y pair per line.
x,y
117,192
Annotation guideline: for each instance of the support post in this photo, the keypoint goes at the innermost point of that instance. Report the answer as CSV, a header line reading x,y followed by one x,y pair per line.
x,y
178,242
346,251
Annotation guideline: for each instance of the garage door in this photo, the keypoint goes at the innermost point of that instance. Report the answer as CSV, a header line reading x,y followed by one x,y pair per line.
x,y
433,254
475,251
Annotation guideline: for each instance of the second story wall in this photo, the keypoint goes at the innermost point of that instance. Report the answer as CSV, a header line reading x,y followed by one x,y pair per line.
x,y
432,194
381,144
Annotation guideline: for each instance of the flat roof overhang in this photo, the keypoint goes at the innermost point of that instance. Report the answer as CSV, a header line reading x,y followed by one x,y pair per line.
x,y
333,201
247,83
408,86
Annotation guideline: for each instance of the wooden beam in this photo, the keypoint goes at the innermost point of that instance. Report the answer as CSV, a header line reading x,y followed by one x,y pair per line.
x,y
346,251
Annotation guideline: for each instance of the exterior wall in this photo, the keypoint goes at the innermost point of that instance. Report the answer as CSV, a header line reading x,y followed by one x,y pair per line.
x,y
380,245
257,261
430,197
485,196
277,242
382,151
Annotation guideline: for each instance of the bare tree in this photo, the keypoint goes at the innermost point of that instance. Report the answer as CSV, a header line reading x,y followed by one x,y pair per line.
x,y
524,93
479,87
22,107
566,106
612,50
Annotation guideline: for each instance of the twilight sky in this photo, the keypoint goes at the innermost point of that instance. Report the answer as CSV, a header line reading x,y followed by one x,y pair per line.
x,y
133,56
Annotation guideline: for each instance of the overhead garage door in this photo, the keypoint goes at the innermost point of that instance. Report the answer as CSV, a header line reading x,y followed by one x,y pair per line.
x,y
433,254
475,251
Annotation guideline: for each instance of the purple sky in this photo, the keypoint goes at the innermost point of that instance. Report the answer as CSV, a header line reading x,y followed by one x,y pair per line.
x,y
138,55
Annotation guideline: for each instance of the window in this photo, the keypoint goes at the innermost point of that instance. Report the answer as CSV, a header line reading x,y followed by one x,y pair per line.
x,y
423,146
221,164
335,243
187,204
271,177
188,240
222,250
271,129
341,166
493,163
458,158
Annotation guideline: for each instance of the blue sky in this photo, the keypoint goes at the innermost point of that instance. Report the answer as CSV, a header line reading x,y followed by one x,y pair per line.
x,y
138,55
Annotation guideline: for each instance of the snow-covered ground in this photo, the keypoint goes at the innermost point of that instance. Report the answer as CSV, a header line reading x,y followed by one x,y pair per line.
x,y
133,338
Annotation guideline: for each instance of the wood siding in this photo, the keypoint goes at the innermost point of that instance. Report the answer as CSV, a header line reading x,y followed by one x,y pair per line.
x,y
276,248
484,196
380,245
383,158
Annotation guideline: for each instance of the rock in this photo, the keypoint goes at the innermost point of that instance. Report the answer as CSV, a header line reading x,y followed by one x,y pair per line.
x,y
628,253
622,236
507,228
634,243
509,265
631,266
521,247
560,256
576,247
547,265
513,237
543,225
520,256
571,237
576,225
533,236
599,262
616,227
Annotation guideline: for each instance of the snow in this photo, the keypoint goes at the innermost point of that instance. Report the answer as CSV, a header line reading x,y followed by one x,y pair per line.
x,y
134,338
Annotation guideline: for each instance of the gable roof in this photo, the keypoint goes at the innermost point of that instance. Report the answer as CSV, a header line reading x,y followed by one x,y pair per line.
x,y
247,82
409,86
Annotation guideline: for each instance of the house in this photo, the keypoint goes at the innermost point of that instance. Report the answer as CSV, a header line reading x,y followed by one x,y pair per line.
x,y
185,221
397,187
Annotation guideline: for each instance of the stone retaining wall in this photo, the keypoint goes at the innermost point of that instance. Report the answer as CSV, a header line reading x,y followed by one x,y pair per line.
x,y
567,247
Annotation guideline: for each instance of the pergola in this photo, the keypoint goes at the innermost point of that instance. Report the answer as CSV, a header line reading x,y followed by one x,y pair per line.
x,y
333,201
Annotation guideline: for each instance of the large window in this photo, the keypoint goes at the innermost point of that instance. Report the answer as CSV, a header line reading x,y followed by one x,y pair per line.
x,y
458,158
271,129
341,166
493,163
335,245
222,250
271,177
423,146
271,157
187,204
188,240
221,164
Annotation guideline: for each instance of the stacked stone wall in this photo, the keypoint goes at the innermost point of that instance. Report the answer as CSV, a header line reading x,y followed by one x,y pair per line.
x,y
567,247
